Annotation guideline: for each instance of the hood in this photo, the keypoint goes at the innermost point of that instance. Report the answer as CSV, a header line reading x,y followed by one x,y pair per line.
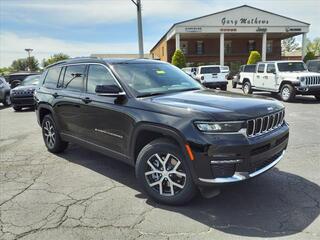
x,y
220,105
294,75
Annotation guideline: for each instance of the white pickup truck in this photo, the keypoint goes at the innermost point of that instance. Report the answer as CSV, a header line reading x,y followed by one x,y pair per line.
x,y
289,78
213,76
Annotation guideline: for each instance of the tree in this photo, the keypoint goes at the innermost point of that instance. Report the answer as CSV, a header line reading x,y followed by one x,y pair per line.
x,y
254,57
289,45
55,58
314,46
25,64
309,56
5,71
179,59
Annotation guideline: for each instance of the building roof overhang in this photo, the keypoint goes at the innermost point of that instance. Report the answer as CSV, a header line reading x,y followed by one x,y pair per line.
x,y
242,19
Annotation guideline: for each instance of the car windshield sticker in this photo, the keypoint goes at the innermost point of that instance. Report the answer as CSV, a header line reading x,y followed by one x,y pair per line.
x,y
160,72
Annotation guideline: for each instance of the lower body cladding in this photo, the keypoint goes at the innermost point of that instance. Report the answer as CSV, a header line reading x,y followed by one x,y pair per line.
x,y
25,101
308,90
234,158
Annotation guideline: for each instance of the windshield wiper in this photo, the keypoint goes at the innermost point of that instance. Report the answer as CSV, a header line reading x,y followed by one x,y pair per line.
x,y
150,94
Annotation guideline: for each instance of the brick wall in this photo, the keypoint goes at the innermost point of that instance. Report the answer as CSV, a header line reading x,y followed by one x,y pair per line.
x,y
239,50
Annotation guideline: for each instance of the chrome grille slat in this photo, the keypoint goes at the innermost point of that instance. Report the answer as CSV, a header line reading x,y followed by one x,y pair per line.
x,y
312,80
262,125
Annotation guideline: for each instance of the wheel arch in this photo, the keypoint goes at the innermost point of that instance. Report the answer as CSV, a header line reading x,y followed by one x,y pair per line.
x,y
144,133
43,109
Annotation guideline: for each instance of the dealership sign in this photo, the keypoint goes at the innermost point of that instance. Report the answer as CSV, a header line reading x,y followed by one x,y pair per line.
x,y
244,21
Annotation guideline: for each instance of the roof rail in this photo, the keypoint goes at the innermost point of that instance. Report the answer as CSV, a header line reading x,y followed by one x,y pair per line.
x,y
70,60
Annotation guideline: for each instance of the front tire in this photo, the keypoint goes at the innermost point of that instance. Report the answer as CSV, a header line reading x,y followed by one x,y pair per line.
x,y
317,97
246,88
51,136
163,173
223,88
287,93
17,109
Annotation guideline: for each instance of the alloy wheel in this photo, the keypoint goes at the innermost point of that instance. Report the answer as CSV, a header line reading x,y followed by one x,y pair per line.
x,y
285,94
246,88
165,174
49,133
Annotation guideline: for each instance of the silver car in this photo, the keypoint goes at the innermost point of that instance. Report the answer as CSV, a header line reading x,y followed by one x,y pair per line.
x,y
4,92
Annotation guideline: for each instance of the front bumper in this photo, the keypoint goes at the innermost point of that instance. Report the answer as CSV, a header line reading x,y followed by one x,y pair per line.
x,y
228,158
308,90
22,101
240,176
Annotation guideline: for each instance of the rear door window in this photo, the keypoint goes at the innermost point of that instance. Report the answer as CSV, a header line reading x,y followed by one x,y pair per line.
x,y
74,77
271,68
52,77
261,68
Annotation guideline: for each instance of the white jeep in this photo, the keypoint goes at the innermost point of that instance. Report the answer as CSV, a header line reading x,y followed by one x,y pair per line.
x,y
289,78
213,76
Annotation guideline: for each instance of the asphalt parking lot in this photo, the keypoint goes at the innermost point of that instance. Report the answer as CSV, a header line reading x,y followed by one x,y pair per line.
x,y
81,194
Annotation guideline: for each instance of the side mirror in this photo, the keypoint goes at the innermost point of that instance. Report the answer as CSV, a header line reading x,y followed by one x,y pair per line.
x,y
273,71
109,90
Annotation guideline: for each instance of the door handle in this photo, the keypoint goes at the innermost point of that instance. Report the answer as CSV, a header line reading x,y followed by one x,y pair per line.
x,y
55,95
265,77
86,100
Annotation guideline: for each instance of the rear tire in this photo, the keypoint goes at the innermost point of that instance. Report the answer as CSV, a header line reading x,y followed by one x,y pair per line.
x,y
17,109
246,88
7,100
234,85
163,173
51,135
223,88
287,93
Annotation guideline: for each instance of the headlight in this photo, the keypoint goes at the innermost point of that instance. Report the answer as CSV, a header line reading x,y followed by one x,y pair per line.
x,y
216,127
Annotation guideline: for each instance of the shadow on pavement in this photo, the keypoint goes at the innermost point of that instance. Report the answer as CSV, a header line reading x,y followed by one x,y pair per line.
x,y
272,205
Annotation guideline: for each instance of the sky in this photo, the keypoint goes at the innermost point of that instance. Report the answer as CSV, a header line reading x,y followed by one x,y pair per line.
x,y
83,27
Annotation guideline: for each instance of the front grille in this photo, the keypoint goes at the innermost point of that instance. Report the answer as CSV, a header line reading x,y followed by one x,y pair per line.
x,y
313,80
264,124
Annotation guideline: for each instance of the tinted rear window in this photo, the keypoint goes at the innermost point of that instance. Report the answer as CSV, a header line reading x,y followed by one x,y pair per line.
x,y
52,77
205,70
249,68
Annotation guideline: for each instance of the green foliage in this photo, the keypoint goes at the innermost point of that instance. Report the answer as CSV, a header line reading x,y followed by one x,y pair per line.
x,y
5,71
254,57
314,46
25,64
289,45
179,59
309,56
55,58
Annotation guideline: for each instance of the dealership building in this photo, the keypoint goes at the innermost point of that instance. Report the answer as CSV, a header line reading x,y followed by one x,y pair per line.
x,y
227,37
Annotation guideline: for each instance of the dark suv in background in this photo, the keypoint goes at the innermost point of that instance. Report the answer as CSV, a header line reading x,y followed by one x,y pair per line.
x,y
180,136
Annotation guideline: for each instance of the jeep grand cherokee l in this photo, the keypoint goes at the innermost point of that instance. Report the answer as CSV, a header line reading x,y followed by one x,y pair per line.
x,y
178,135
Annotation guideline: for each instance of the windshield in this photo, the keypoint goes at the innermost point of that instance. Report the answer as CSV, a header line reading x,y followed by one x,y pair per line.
x,y
205,70
291,67
155,78
31,80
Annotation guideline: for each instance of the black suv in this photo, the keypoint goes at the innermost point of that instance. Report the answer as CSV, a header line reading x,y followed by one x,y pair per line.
x,y
180,136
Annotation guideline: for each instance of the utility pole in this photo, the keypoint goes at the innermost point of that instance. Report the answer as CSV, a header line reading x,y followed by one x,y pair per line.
x,y
139,20
29,50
